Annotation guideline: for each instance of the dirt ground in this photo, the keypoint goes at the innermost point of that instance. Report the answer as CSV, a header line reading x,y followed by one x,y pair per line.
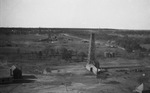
x,y
74,78
42,77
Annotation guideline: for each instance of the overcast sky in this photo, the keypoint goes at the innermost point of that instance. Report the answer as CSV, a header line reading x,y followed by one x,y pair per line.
x,y
124,14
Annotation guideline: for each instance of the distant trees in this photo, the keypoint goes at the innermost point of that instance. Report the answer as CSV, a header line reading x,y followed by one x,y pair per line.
x,y
132,32
40,54
129,44
81,55
49,51
60,52
146,40
65,54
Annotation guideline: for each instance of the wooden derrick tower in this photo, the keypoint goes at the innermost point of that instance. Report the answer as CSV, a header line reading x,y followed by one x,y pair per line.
x,y
92,65
91,55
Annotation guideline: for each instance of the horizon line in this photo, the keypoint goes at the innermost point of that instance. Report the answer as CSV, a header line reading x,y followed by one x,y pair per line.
x,y
93,28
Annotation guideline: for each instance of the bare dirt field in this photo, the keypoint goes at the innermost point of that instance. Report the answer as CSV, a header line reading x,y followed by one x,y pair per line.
x,y
74,78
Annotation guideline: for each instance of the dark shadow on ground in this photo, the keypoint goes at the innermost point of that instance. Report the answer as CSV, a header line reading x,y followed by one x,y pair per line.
x,y
29,77
146,91
25,79
112,82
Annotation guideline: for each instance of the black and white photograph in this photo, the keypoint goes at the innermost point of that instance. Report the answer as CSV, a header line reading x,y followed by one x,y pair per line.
x,y
74,46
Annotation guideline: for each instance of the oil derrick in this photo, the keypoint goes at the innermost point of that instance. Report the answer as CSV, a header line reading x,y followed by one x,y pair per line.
x,y
49,35
91,55
39,30
52,36
92,65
